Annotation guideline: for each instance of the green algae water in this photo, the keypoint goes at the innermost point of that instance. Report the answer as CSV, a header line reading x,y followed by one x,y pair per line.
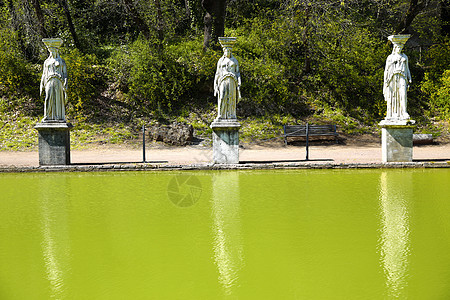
x,y
293,234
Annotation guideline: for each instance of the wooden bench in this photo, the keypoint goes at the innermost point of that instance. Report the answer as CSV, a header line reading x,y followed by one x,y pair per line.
x,y
309,130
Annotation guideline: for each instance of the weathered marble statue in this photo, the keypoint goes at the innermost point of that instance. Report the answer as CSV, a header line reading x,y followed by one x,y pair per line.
x,y
54,82
227,81
396,80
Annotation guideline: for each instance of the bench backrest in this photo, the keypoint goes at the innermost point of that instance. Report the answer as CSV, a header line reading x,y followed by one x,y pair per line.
x,y
300,130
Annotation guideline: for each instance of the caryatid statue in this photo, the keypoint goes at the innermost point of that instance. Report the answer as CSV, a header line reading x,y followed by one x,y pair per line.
x,y
227,81
54,82
396,80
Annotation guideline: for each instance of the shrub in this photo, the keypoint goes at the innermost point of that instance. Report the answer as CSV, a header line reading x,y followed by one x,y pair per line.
x,y
161,82
17,77
439,93
436,84
83,77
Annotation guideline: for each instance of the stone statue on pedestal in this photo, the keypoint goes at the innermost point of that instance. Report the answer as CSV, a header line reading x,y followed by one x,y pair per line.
x,y
53,130
396,81
54,82
225,127
227,81
397,128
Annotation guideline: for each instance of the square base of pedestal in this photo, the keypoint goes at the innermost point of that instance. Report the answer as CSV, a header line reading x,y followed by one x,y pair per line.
x,y
397,143
225,142
54,143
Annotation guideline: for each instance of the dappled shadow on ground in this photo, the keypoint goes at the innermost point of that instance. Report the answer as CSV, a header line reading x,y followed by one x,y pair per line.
x,y
119,163
432,160
282,161
358,140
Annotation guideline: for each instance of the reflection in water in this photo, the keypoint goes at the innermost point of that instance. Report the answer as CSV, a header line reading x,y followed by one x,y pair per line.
x,y
395,244
55,243
228,249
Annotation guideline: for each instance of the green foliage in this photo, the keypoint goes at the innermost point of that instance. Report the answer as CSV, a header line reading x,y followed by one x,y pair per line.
x,y
17,77
155,81
436,84
299,59
82,136
16,131
158,81
350,65
267,67
438,60
260,129
439,92
83,77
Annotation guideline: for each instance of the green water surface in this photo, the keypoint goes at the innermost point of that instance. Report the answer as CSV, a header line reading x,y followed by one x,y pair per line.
x,y
306,234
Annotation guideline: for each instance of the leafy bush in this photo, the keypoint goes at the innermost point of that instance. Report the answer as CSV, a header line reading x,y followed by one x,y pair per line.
x,y
83,77
17,77
161,81
436,84
439,92
268,68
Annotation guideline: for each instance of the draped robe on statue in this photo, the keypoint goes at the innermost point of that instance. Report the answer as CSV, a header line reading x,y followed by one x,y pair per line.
x,y
396,77
226,87
54,79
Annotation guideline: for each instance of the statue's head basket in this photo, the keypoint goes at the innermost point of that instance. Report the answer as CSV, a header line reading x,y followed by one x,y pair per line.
x,y
227,42
399,39
52,43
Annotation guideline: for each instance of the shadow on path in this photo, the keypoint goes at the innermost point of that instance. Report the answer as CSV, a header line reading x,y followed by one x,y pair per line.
x,y
431,160
281,161
120,163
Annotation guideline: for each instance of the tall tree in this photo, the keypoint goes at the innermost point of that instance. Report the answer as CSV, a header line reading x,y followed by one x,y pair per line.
x,y
159,21
18,28
138,20
40,17
445,17
65,7
415,7
214,21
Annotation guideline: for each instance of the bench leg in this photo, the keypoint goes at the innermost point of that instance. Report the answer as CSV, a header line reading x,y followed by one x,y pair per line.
x,y
307,141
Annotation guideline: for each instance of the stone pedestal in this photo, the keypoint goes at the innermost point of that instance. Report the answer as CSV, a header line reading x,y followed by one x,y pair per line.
x,y
397,141
54,143
225,141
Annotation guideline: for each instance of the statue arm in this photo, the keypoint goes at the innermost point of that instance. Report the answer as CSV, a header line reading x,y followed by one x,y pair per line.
x,y
238,76
388,71
408,72
387,77
217,77
43,79
64,73
64,77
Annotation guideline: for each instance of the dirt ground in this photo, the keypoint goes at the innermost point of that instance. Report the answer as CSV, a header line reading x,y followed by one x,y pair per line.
x,y
350,149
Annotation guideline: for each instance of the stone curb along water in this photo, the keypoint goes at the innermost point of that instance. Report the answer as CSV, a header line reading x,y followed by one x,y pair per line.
x,y
210,166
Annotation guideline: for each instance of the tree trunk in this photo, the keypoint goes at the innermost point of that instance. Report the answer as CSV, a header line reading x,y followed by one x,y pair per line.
x,y
305,41
65,7
40,18
188,10
140,23
208,31
415,7
445,17
17,27
214,21
159,22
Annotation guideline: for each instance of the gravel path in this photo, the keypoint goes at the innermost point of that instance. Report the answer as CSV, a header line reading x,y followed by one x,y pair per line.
x,y
347,154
